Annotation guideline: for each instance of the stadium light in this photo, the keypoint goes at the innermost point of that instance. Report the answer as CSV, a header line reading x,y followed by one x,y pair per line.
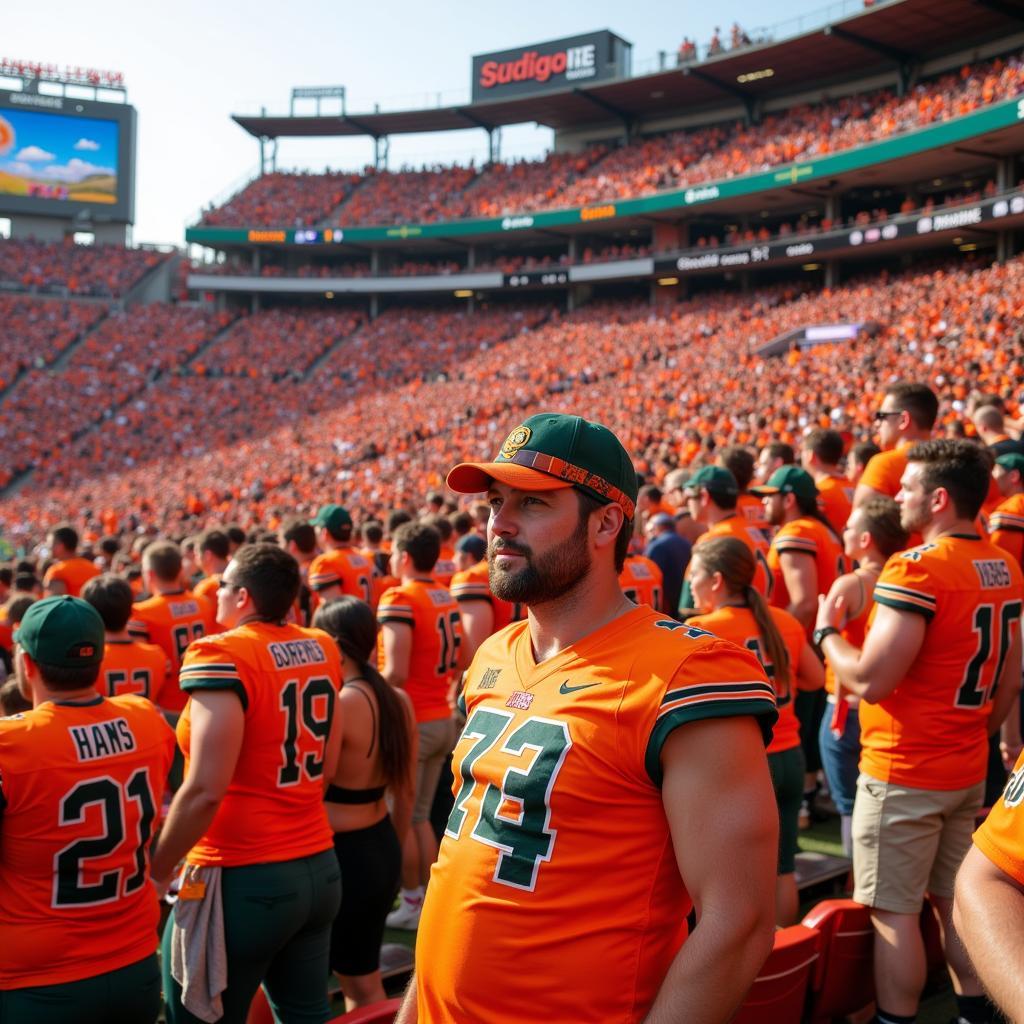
x,y
812,266
463,293
969,247
328,295
666,281
755,76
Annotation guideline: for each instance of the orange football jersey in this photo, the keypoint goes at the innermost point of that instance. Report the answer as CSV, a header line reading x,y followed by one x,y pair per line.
x,y
835,501
73,572
641,582
1001,835
931,732
172,621
1007,526
557,860
207,587
473,584
345,567
433,616
80,788
740,528
444,568
809,536
885,470
287,678
131,666
738,626
750,508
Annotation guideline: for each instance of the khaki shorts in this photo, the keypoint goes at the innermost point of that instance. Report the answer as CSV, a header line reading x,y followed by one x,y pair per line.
x,y
908,842
437,740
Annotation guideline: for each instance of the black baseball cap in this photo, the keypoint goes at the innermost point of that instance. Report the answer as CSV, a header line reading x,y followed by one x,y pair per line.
x,y
551,451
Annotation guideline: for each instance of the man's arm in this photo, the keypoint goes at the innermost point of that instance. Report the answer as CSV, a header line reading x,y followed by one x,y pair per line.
x,y
800,574
477,625
716,786
891,646
397,652
409,1012
1007,688
988,913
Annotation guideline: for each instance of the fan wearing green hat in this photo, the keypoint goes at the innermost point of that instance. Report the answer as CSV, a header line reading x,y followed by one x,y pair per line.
x,y
82,778
1006,522
340,569
598,733
805,556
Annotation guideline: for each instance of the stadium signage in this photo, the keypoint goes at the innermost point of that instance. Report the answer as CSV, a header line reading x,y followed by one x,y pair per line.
x,y
516,223
52,73
701,195
597,212
545,66
268,236
945,221
537,277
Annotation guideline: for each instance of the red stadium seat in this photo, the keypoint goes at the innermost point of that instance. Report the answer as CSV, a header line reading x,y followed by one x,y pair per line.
x,y
843,977
378,1013
779,992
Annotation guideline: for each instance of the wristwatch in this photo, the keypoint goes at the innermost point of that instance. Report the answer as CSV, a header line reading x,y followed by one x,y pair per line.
x,y
819,635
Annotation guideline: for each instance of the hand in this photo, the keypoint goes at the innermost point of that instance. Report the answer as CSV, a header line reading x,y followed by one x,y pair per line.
x,y
830,611
161,885
1009,753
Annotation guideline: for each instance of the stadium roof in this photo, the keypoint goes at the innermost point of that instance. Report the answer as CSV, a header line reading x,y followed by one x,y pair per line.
x,y
891,35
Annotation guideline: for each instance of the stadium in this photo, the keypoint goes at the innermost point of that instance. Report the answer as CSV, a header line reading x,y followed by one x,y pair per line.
x,y
734,260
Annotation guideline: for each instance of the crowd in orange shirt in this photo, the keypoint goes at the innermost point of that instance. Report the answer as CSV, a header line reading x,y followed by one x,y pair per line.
x,y
283,199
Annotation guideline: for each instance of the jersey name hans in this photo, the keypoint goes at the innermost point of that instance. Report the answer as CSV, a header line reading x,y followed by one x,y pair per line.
x,y
102,739
992,572
287,653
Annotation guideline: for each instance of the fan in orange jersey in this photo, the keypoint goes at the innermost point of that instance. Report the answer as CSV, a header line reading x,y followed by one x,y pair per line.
x,y
711,494
939,670
873,534
989,907
907,414
69,572
480,611
81,783
739,460
1007,520
445,567
420,650
214,549
820,452
171,617
129,666
641,581
260,737
340,569
298,538
598,734
722,576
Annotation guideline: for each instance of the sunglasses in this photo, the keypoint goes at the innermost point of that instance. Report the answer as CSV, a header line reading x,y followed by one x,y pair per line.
x,y
881,414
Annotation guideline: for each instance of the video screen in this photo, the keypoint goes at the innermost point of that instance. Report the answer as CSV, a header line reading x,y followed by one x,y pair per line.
x,y
52,156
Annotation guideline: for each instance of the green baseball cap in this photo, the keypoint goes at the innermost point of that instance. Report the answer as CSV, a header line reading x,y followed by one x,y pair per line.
x,y
789,480
1012,461
714,480
333,517
550,451
63,631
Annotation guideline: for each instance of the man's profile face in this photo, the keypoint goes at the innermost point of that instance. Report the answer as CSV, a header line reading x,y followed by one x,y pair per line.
x,y
774,508
764,466
914,501
538,548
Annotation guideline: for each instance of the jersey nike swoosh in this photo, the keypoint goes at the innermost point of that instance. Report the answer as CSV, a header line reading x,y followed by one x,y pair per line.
x,y
570,689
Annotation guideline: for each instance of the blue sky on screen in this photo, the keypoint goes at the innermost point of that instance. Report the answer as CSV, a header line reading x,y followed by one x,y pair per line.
x,y
55,148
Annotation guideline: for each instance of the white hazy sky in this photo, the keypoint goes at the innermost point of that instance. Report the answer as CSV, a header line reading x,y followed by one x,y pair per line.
x,y
190,65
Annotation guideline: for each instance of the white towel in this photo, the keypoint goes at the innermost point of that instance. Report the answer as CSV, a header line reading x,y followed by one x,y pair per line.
x,y
199,961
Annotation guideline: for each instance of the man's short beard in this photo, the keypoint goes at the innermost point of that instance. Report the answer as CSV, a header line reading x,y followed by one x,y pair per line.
x,y
915,524
544,578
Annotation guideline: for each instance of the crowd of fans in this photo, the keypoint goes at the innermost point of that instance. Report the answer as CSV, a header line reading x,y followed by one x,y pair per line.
x,y
600,174
103,271
393,404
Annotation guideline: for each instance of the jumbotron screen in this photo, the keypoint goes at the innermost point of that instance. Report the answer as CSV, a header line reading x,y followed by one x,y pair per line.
x,y
60,155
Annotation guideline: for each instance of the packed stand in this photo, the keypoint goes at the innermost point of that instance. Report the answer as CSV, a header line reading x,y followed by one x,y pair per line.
x,y
284,199
102,271
394,197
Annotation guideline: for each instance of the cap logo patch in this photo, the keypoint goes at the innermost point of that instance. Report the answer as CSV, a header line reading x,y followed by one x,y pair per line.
x,y
519,437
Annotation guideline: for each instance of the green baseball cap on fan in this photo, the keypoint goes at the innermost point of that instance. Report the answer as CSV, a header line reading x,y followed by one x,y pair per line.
x,y
64,631
789,480
551,451
714,480
333,517
1012,461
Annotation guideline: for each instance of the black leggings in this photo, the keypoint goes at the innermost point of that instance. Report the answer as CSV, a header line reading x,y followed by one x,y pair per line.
x,y
371,864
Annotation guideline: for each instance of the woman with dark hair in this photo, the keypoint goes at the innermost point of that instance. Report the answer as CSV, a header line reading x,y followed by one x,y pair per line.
x,y
721,578
377,757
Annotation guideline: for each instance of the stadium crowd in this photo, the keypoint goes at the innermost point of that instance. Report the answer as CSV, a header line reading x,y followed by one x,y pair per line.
x,y
101,271
282,199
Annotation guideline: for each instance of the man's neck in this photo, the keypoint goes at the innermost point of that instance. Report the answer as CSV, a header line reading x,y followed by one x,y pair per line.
x,y
716,515
417,577
819,473
121,636
41,694
945,527
588,607
160,587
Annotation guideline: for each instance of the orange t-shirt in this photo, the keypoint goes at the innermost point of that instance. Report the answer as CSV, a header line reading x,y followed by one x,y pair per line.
x,y
931,732
433,616
1001,835
740,528
287,678
1007,526
172,621
444,568
641,582
343,567
885,470
81,786
131,666
738,626
835,501
207,587
558,783
73,572
807,536
473,584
